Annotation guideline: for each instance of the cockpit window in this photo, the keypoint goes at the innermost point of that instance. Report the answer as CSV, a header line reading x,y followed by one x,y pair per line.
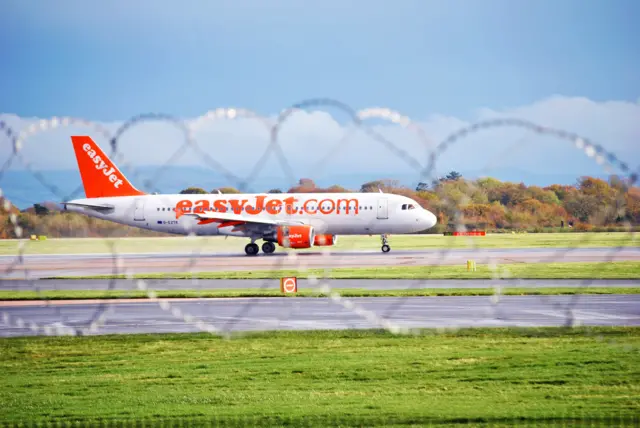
x,y
411,207
404,206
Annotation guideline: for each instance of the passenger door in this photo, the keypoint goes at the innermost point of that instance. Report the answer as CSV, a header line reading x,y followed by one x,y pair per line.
x,y
383,208
138,214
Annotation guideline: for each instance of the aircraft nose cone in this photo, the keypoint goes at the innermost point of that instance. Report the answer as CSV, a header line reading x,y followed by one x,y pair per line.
x,y
430,219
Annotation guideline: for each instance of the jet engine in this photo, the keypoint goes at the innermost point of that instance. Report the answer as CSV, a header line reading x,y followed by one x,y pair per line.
x,y
296,236
325,240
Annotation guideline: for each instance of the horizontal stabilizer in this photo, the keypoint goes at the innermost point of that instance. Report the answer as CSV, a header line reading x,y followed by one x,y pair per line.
x,y
95,207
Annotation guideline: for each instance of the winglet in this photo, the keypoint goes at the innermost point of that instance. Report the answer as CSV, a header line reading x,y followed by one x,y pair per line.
x,y
100,176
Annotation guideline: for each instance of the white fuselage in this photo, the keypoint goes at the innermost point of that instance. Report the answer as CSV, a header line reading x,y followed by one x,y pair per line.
x,y
328,213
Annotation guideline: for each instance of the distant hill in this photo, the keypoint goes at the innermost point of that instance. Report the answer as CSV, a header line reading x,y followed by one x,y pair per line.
x,y
23,189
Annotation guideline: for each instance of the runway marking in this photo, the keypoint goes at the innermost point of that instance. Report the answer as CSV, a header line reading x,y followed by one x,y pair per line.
x,y
144,300
598,315
556,314
583,315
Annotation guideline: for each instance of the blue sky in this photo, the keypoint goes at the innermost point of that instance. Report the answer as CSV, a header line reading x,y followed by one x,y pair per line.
x,y
568,64
111,60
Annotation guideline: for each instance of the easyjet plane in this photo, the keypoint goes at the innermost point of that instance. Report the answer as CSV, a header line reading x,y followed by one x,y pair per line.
x,y
294,220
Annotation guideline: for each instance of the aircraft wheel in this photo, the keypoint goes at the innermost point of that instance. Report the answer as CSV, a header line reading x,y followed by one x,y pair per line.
x,y
386,248
251,249
268,247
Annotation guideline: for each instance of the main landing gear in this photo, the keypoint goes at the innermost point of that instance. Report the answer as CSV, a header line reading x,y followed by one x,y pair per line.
x,y
268,247
252,249
385,244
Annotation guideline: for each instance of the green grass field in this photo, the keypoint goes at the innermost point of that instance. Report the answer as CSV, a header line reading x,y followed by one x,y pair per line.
x,y
397,242
572,270
348,378
344,292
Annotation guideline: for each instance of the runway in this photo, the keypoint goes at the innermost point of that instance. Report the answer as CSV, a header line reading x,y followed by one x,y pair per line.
x,y
303,284
40,266
235,315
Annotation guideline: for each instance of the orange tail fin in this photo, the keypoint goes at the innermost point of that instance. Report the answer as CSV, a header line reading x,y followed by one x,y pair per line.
x,y
100,176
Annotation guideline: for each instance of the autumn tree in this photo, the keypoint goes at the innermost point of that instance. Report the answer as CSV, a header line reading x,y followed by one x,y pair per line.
x,y
7,207
582,206
453,176
632,200
544,196
337,189
562,191
377,185
422,187
40,209
192,191
305,185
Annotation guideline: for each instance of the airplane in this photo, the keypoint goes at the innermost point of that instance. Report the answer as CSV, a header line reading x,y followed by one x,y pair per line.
x,y
291,220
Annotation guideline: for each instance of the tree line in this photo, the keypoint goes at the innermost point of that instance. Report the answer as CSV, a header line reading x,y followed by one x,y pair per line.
x,y
592,204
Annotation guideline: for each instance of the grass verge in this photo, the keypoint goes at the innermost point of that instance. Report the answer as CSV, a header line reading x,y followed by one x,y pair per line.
x,y
345,292
572,270
538,376
345,243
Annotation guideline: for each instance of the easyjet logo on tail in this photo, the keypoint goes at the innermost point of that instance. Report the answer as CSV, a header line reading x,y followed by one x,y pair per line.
x,y
100,177
102,166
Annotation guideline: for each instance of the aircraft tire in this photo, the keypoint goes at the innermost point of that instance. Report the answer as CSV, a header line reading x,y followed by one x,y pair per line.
x,y
268,247
386,248
251,249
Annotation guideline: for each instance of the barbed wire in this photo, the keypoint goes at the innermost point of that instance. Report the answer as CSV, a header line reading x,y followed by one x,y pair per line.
x,y
358,118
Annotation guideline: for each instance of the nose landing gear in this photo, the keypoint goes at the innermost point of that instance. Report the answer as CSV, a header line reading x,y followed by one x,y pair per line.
x,y
385,244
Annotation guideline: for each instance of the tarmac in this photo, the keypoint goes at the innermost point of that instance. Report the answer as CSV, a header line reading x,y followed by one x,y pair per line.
x,y
42,266
254,314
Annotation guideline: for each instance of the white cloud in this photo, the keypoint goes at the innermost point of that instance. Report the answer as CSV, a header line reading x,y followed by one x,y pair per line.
x,y
309,138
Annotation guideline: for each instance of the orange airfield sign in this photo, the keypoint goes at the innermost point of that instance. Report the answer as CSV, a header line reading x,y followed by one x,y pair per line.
x,y
289,284
272,206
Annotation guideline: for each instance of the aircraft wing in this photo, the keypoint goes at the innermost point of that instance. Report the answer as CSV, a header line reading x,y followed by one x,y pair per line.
x,y
232,219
